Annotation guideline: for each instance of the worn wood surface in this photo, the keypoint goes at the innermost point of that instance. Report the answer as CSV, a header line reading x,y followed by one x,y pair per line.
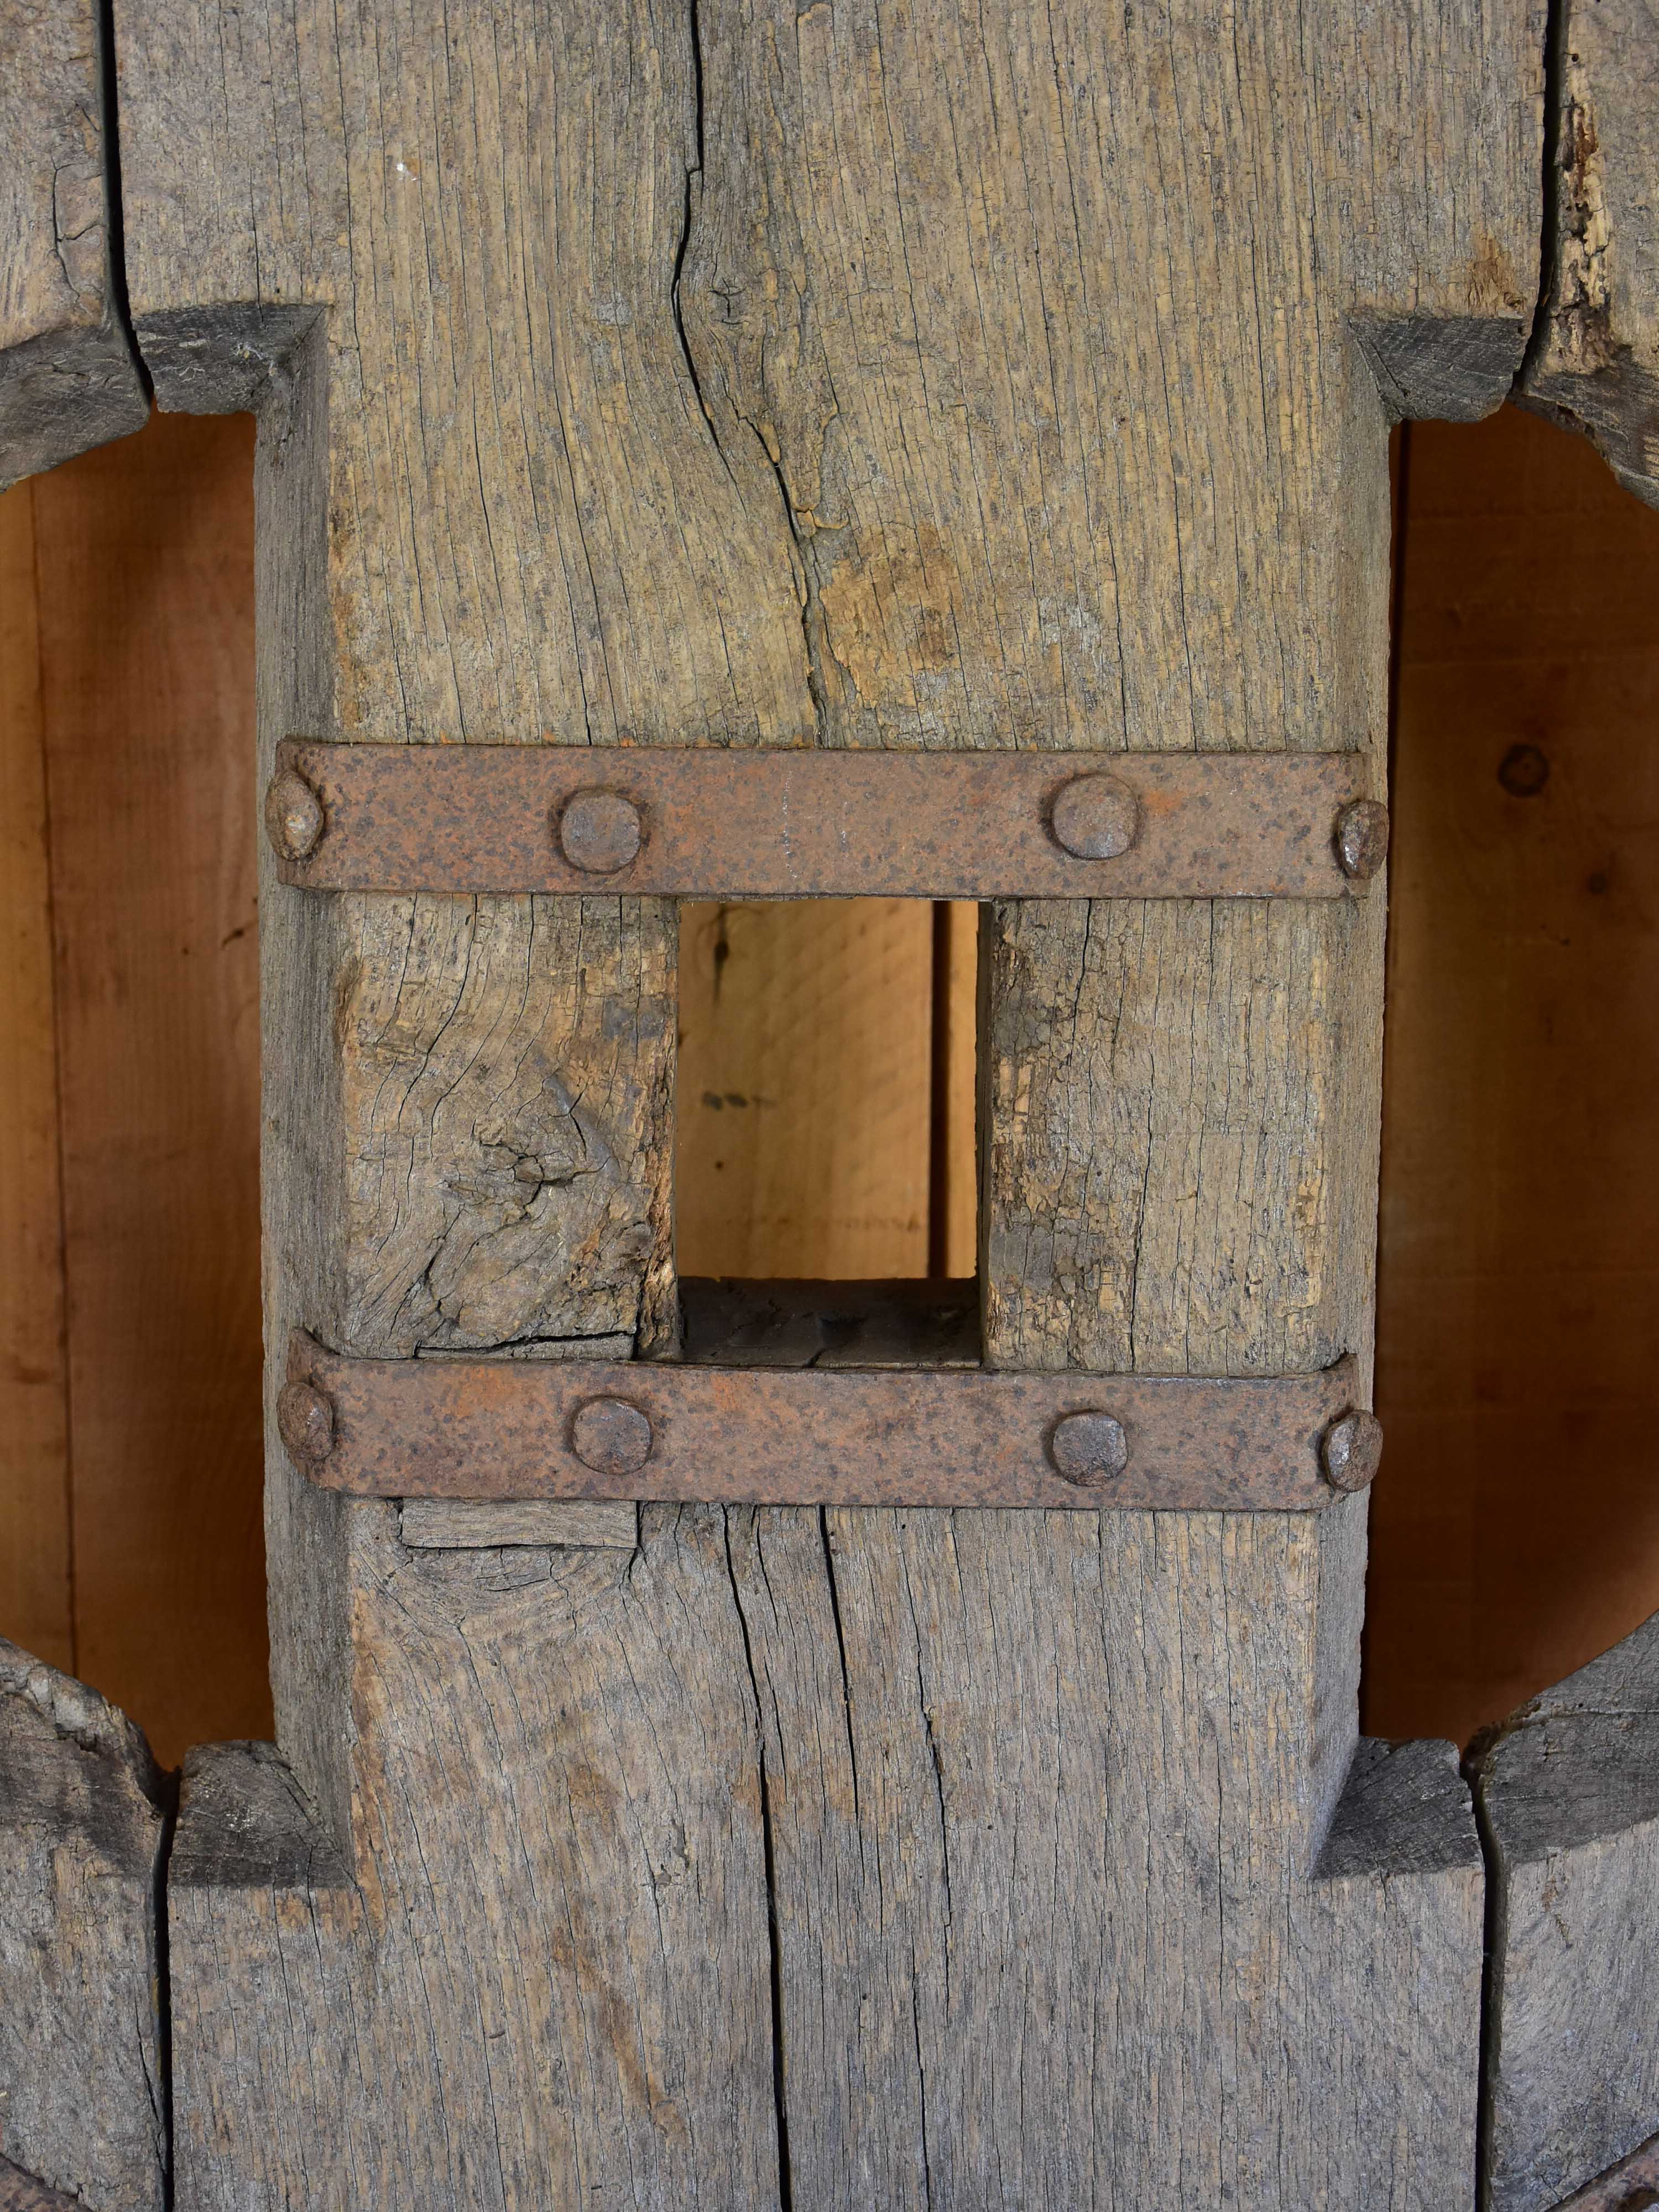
x,y
35,1594
1568,1792
22,2193
1594,361
68,378
82,2094
834,377
1516,1533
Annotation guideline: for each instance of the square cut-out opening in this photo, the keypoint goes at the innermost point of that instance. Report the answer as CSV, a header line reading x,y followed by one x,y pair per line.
x,y
825,1186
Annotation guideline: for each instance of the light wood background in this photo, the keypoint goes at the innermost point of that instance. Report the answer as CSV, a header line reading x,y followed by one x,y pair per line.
x,y
1516,1525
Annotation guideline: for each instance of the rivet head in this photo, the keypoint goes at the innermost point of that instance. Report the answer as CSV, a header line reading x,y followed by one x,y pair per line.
x,y
1351,1450
1095,817
295,821
305,1420
611,1435
1089,1448
1362,839
598,831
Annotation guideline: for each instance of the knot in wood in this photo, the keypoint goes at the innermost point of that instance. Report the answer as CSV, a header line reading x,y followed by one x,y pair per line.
x,y
305,1421
295,821
599,831
1089,1448
1095,817
613,1435
1362,839
1351,1451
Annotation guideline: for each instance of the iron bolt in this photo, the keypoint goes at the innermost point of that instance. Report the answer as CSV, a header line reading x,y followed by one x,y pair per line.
x,y
613,1435
1095,817
294,816
599,831
1350,1451
1089,1448
305,1420
1362,838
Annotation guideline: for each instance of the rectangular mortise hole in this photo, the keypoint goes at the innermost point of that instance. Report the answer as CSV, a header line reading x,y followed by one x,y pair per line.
x,y
825,1180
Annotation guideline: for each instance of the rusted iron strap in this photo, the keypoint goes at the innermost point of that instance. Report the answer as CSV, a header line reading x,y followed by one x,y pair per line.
x,y
713,823
522,1429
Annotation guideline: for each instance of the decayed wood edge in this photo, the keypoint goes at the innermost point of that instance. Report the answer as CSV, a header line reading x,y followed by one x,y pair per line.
x,y
1593,362
70,374
84,2095
1567,1794
1630,2186
22,2193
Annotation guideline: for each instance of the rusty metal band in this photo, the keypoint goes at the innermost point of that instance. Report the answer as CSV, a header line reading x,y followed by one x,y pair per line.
x,y
710,822
510,1429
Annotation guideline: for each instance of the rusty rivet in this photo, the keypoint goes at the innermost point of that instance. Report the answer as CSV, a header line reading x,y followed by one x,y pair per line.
x,y
294,816
1089,1448
1362,838
598,831
304,1419
1095,817
1352,1449
611,1435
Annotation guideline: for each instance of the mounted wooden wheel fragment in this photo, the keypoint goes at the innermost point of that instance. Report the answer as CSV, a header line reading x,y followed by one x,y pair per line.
x,y
862,448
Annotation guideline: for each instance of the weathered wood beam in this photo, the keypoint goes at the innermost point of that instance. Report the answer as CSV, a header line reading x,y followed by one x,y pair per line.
x,y
83,2099
69,376
850,377
1568,1793
1594,361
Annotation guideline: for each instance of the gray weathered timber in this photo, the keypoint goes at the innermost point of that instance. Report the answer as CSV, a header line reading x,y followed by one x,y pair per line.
x,y
81,2099
547,1986
69,377
1594,362
1047,1930
856,374
1568,1792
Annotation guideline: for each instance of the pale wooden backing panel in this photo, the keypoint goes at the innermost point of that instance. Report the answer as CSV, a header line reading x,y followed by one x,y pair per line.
x,y
35,1596
68,378
802,1139
82,2101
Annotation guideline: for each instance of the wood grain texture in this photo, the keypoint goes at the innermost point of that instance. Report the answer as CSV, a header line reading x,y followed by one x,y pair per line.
x,y
1079,449
35,1596
82,2095
69,377
145,553
1568,1791
548,1985
1593,364
835,376
1046,1930
1515,1533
